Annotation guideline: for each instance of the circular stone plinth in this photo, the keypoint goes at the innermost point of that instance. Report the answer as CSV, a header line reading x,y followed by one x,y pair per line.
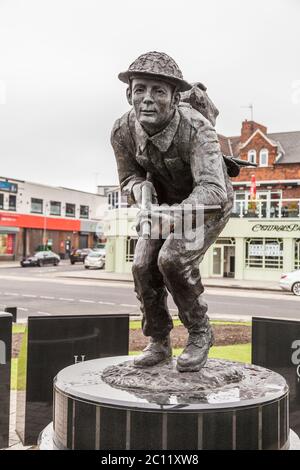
x,y
227,405
231,380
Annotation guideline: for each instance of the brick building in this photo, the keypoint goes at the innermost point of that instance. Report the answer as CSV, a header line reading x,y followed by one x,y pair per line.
x,y
277,156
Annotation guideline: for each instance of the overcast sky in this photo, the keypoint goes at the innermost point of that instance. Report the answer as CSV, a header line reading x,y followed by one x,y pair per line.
x,y
59,60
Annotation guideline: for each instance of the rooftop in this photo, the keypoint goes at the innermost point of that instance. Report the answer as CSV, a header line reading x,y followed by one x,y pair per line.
x,y
288,145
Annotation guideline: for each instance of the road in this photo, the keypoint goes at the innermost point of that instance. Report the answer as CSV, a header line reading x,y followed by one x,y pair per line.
x,y
38,291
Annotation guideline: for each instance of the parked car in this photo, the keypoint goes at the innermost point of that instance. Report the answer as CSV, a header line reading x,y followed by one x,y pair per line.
x,y
41,258
79,255
291,282
95,259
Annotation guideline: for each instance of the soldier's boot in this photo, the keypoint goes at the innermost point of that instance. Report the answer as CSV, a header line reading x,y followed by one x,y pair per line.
x,y
194,355
158,350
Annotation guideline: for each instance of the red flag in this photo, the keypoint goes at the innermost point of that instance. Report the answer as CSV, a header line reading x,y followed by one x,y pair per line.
x,y
253,188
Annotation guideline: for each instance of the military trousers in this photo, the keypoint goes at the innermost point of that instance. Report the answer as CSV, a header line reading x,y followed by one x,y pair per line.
x,y
169,265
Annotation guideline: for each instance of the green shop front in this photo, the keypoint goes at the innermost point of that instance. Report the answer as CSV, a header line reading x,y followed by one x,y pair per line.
x,y
248,248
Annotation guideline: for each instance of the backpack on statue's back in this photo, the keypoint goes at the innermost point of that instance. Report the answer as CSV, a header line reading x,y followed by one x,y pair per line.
x,y
200,101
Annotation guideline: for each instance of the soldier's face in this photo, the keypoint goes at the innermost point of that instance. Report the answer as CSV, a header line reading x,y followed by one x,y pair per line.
x,y
153,102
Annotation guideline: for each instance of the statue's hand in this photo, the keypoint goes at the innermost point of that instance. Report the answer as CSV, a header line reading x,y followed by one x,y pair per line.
x,y
137,194
161,224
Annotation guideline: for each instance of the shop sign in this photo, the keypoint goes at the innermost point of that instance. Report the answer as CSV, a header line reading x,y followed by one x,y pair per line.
x,y
5,218
36,221
276,228
265,250
9,187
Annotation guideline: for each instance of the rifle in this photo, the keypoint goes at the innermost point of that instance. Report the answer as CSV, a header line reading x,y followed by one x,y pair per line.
x,y
146,206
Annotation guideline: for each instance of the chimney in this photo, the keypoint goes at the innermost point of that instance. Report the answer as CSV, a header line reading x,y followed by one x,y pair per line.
x,y
248,128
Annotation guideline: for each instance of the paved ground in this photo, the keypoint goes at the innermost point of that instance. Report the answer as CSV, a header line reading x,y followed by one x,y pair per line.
x,y
14,440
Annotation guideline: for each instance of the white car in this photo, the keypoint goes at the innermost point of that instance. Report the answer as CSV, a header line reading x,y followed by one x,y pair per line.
x,y
95,259
291,282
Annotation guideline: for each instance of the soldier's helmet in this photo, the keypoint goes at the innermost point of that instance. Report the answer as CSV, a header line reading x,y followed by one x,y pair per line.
x,y
156,65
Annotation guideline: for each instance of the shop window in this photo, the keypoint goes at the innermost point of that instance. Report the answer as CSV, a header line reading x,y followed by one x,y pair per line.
x,y
70,210
265,253
130,248
263,157
55,208
240,203
1,201
12,202
252,156
297,254
7,244
84,212
36,206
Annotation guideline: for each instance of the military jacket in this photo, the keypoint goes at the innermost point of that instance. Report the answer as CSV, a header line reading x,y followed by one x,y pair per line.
x,y
184,159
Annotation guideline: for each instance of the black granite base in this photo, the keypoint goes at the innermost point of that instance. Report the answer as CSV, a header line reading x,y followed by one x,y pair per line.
x,y
46,440
51,344
13,311
276,345
91,414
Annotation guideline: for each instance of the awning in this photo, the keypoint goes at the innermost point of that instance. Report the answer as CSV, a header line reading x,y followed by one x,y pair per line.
x,y
4,229
91,226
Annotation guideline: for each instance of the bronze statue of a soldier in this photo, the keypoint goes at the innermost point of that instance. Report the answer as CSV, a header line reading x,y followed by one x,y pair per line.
x,y
179,147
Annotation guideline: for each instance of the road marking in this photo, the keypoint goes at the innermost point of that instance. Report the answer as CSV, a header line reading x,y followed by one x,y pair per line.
x,y
227,292
11,293
127,305
23,309
48,297
29,295
224,316
106,303
210,290
64,298
228,317
87,301
44,313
